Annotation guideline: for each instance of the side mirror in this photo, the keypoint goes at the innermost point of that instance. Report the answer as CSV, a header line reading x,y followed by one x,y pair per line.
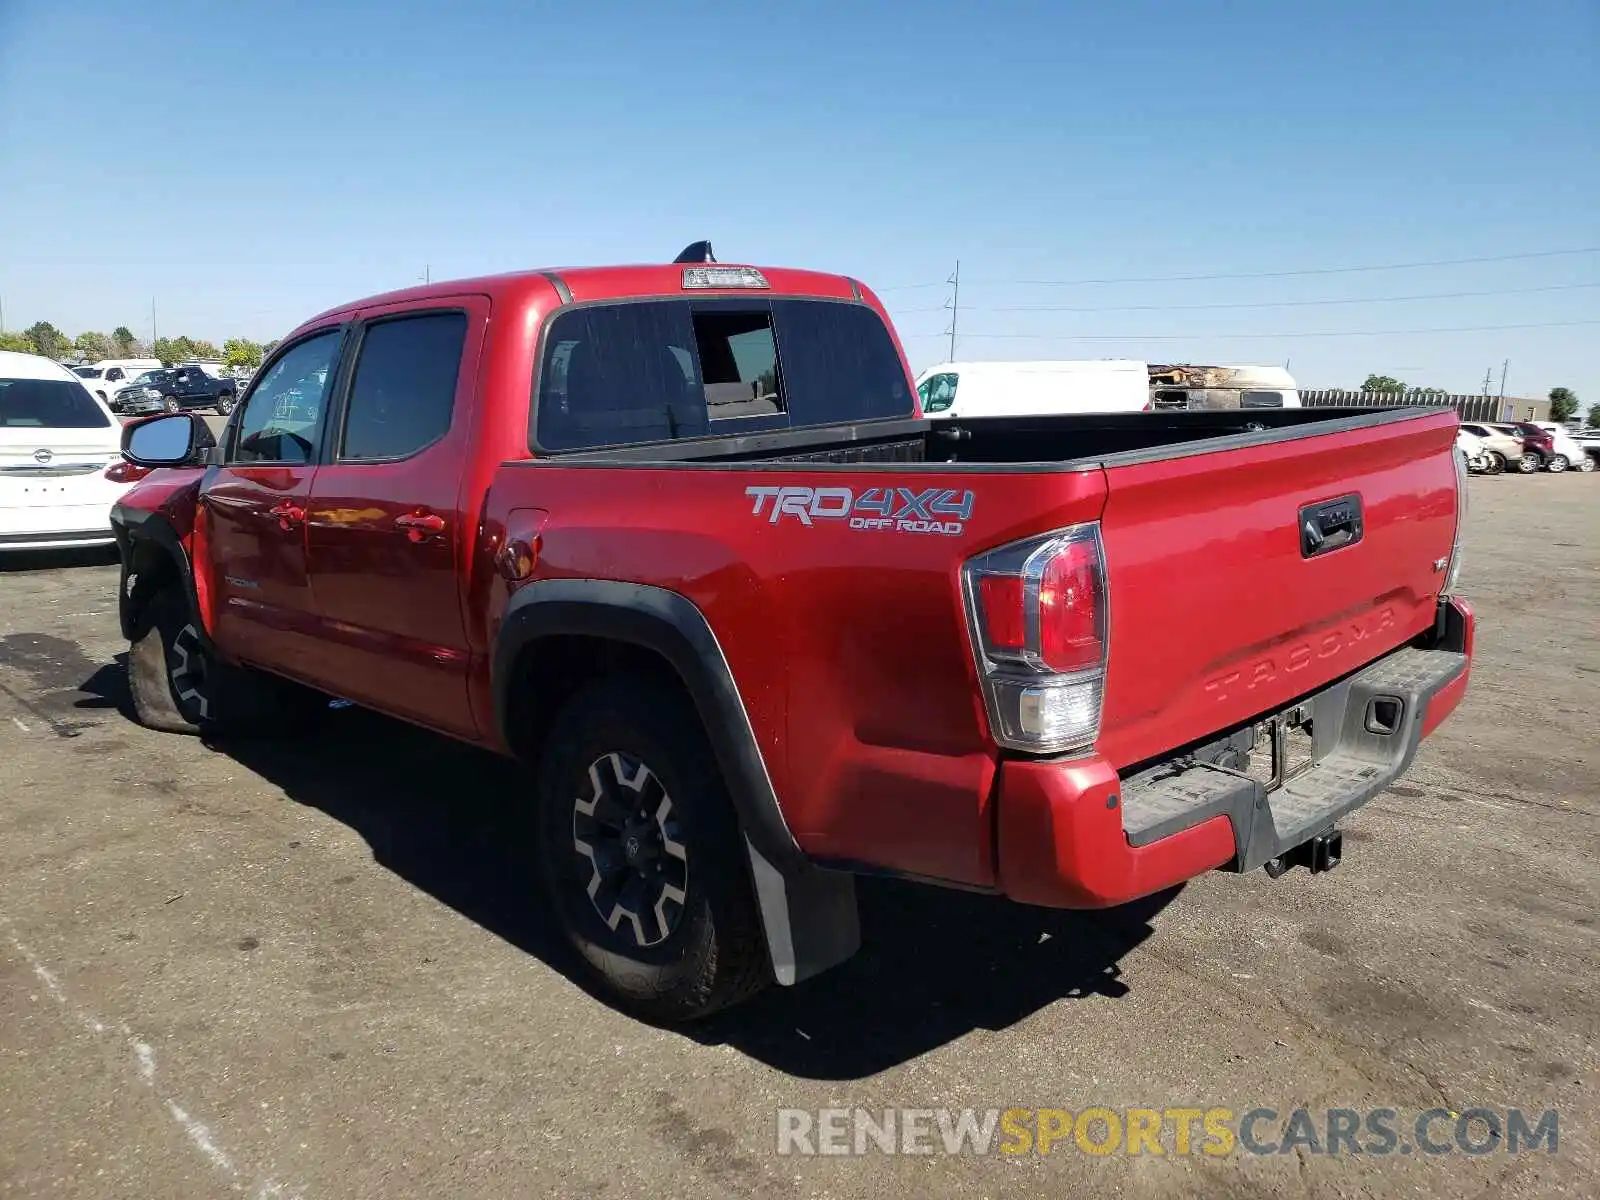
x,y
172,440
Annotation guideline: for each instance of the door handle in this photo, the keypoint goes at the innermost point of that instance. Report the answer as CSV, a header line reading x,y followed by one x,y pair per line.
x,y
289,516
419,525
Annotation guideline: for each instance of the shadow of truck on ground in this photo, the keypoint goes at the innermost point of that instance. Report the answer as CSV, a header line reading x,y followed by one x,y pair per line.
x,y
934,964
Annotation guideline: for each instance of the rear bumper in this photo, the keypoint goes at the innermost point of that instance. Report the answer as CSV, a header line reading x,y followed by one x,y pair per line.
x,y
55,526
1077,835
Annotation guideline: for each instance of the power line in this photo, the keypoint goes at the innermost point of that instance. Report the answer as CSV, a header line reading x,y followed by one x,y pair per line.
x,y
1404,266
1183,337
1010,308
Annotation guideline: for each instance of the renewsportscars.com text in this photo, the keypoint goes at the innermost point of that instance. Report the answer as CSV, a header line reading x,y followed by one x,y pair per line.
x,y
1160,1131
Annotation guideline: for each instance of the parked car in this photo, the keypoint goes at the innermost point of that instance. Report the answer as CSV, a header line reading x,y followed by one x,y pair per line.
x,y
1478,459
1589,439
747,657
145,394
1504,444
195,387
1567,450
61,468
109,374
1555,448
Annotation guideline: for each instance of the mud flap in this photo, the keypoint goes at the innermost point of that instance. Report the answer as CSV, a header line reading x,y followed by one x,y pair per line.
x,y
809,915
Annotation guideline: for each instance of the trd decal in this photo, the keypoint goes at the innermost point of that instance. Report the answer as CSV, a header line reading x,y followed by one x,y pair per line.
x,y
894,509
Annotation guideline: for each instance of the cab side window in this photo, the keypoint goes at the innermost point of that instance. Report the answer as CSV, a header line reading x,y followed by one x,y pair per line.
x,y
404,391
282,420
938,393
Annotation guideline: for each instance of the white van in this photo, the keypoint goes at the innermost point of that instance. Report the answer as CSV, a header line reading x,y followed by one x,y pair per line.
x,y
1184,385
107,376
1017,389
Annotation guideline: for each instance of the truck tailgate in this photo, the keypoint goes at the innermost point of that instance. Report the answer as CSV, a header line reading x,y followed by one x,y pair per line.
x,y
1223,607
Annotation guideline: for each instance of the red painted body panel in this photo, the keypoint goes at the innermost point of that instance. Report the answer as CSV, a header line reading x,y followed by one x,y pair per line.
x,y
849,646
386,582
1062,845
1215,615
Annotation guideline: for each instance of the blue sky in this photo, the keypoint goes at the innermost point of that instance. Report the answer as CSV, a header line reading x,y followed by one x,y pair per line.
x,y
247,164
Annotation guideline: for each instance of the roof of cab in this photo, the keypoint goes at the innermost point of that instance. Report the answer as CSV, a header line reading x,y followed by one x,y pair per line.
x,y
585,284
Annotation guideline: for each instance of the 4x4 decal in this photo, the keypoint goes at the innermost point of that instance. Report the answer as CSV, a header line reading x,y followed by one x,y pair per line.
x,y
896,509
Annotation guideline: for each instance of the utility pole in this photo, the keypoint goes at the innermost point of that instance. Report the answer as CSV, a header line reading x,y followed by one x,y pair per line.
x,y
955,307
153,337
1504,367
1488,374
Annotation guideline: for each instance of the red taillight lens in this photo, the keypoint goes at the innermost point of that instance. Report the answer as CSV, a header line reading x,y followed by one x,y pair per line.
x,y
126,472
1069,602
1005,623
1037,611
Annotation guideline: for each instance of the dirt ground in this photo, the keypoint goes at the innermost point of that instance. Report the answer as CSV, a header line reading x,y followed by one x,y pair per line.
x,y
312,969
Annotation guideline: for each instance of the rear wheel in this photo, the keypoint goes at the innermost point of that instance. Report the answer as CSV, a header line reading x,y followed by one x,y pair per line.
x,y
1558,463
1529,463
179,686
225,404
1497,462
1587,465
642,855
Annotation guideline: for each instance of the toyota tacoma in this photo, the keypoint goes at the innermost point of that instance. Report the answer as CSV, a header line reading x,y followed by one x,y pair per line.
x,y
678,538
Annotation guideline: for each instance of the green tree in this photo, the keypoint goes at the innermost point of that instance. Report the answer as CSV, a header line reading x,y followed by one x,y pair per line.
x,y
20,342
48,340
124,341
1563,404
205,351
93,346
174,350
1382,383
241,352
1594,416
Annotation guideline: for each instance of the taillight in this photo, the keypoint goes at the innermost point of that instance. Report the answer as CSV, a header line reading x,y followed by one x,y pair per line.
x,y
1452,574
1037,611
124,471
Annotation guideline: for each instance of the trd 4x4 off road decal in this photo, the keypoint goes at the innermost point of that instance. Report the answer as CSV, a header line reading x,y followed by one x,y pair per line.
x,y
896,509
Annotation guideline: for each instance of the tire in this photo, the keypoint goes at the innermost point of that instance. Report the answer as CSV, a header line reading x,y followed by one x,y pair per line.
x,y
1558,464
224,404
170,403
178,686
1529,463
1587,465
1497,462
656,899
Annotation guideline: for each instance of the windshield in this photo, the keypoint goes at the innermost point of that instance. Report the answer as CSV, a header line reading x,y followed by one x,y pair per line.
x,y
48,404
86,372
148,377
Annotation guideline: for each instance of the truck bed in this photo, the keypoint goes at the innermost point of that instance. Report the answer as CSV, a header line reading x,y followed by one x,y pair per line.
x,y
848,637
1071,439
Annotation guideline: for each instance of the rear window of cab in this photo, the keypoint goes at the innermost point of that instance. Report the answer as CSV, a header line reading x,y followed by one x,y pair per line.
x,y
630,372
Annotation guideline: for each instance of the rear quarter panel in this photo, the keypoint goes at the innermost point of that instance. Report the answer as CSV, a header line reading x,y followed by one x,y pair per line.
x,y
849,646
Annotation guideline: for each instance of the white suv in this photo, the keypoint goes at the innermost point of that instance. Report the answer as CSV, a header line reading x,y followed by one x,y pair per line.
x,y
1569,452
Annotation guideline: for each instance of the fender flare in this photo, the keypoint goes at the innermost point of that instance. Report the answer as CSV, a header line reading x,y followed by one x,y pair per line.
x,y
809,914
133,526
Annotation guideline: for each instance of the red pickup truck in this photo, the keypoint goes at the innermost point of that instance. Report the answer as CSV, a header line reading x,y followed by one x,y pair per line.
x,y
677,537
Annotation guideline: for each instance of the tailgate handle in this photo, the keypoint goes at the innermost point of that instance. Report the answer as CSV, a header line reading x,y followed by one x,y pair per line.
x,y
1330,525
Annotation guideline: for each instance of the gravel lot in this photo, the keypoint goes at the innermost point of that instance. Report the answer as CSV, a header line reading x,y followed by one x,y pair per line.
x,y
281,969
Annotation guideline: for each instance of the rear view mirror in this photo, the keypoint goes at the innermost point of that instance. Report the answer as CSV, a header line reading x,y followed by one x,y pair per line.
x,y
174,440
